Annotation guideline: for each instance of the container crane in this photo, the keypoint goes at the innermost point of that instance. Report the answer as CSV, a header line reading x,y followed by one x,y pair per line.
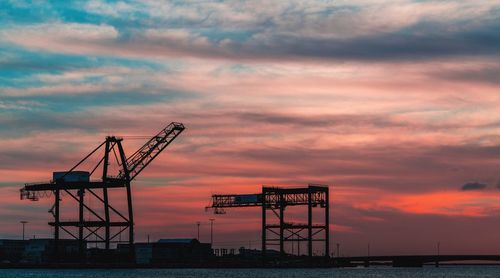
x,y
108,222
277,199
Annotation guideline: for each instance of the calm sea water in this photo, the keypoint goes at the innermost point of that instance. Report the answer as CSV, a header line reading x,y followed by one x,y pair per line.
x,y
449,271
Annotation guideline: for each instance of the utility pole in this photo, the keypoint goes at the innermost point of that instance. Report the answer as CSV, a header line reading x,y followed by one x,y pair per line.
x,y
438,252
212,231
198,225
338,250
24,223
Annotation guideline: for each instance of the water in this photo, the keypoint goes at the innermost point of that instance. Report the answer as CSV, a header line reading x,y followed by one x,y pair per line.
x,y
442,272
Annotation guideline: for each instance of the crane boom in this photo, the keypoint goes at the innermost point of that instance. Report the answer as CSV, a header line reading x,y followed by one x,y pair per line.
x,y
144,155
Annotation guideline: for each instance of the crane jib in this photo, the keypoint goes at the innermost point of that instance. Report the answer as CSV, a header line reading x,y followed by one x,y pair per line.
x,y
144,155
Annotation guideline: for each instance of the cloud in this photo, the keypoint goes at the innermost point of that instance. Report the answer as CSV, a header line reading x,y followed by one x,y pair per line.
x,y
446,203
488,74
399,31
393,103
474,186
60,32
109,9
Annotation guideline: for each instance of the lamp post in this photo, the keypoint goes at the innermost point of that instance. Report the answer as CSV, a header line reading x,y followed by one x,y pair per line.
x,y
198,225
438,253
212,231
24,222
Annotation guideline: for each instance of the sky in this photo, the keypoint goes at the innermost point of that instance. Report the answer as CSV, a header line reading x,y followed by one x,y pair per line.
x,y
393,104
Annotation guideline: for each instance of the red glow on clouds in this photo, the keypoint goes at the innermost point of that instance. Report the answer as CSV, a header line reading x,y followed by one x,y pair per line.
x,y
395,133
451,203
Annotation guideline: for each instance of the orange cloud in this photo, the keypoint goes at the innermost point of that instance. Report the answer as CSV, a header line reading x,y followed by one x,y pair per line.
x,y
447,203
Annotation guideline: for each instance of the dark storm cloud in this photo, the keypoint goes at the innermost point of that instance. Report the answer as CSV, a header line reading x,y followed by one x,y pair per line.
x,y
473,186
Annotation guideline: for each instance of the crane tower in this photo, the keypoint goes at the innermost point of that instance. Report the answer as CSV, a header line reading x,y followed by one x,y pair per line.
x,y
105,223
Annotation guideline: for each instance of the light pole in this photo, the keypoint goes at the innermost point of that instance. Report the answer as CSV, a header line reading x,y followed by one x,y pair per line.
x,y
438,253
198,225
212,231
24,223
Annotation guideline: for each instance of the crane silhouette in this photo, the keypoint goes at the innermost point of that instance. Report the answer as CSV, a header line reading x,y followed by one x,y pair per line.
x,y
107,223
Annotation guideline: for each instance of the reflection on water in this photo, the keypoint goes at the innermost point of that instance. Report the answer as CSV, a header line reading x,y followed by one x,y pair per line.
x,y
447,271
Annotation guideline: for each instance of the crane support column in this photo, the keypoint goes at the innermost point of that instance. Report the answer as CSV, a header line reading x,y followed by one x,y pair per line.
x,y
105,196
282,224
130,215
264,228
309,225
81,243
327,223
129,195
56,220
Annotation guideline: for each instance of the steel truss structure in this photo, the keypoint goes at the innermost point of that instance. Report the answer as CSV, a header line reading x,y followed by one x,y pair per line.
x,y
276,200
108,223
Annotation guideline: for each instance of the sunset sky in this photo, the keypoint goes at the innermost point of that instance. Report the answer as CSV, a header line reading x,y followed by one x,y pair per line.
x,y
394,104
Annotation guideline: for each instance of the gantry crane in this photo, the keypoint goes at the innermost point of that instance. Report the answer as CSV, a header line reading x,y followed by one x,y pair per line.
x,y
76,184
276,199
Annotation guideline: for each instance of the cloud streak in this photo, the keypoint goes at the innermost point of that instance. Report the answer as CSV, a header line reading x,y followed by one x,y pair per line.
x,y
392,103
412,31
